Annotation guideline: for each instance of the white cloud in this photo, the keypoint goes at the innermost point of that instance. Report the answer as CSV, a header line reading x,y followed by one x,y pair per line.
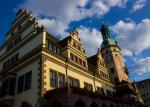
x,y
71,10
119,3
132,37
66,11
141,65
139,4
58,14
91,39
127,52
55,27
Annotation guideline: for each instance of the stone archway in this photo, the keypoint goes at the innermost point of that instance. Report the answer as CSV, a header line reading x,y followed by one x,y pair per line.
x,y
104,105
25,104
93,104
4,105
56,104
118,106
79,103
111,105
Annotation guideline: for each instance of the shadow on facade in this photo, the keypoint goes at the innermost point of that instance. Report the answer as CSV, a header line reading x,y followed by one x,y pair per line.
x,y
78,97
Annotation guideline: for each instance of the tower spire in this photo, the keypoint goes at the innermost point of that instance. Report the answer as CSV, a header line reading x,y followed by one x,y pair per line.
x,y
105,32
107,39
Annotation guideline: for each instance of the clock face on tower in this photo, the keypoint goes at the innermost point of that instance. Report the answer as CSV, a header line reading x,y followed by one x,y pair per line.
x,y
108,58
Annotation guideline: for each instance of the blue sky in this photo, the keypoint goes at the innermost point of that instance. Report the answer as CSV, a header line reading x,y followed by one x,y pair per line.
x,y
128,20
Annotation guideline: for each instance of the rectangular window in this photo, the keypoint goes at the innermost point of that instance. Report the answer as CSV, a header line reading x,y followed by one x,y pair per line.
x,y
12,86
74,82
20,84
17,40
11,45
112,70
76,59
70,81
4,88
50,46
54,49
4,66
100,90
8,62
79,47
84,63
88,86
12,60
71,56
53,79
108,92
16,57
116,80
28,80
80,61
46,43
58,50
61,80
145,84
74,44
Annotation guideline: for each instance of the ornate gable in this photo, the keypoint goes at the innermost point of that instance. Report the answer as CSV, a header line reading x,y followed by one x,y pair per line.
x,y
23,19
74,34
75,40
73,49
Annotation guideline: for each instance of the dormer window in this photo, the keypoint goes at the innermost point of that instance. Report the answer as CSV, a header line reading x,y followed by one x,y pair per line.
x,y
17,40
11,61
16,57
76,59
79,47
74,44
19,27
54,49
58,50
50,46
13,43
9,46
71,56
84,64
107,51
80,61
12,33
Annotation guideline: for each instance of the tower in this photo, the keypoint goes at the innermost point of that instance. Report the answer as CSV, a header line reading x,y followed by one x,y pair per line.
x,y
113,58
117,70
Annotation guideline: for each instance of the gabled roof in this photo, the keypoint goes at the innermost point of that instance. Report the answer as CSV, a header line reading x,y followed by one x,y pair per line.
x,y
64,41
92,60
107,39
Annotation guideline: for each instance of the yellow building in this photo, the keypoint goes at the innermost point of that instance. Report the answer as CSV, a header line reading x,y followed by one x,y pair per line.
x,y
32,61
144,90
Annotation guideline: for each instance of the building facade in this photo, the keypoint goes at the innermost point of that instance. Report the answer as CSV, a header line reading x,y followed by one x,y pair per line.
x,y
144,90
32,62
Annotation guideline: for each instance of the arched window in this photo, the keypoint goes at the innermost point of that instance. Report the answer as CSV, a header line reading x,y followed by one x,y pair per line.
x,y
3,105
111,105
79,103
93,104
104,105
118,106
56,104
25,104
